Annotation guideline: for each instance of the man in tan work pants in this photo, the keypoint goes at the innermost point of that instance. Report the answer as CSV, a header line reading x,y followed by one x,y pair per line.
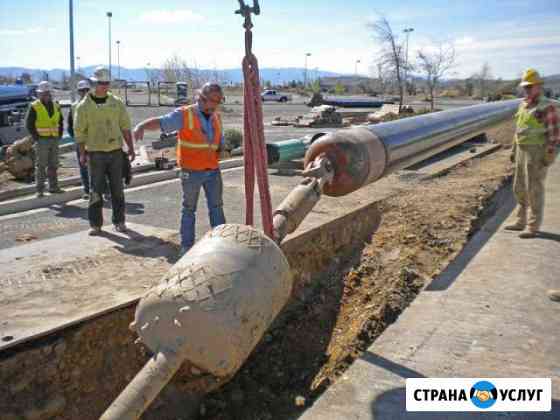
x,y
536,137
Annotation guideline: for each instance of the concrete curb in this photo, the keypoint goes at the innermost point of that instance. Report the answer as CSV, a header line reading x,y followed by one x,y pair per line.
x,y
30,203
66,182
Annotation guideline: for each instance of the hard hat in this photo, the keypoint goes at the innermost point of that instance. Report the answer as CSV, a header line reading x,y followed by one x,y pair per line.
x,y
531,77
101,74
83,84
44,87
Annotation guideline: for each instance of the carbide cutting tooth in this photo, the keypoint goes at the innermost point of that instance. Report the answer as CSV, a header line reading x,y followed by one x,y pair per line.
x,y
145,326
184,308
177,323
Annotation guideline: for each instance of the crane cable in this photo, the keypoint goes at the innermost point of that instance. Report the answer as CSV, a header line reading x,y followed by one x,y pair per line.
x,y
254,147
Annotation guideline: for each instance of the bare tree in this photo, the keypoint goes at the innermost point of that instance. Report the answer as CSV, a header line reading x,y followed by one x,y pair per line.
x,y
392,57
483,79
435,65
175,69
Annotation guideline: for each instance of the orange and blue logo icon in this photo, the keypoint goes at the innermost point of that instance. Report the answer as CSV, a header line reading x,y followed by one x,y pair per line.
x,y
483,394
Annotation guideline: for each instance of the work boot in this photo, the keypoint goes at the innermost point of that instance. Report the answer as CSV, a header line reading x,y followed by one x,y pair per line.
x,y
554,295
121,227
85,196
56,190
517,226
94,231
40,194
528,234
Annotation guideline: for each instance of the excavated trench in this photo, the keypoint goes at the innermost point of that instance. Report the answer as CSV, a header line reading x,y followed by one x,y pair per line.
x,y
422,231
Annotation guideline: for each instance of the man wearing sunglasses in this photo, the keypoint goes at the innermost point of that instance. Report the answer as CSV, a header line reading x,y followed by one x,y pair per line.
x,y
200,139
101,124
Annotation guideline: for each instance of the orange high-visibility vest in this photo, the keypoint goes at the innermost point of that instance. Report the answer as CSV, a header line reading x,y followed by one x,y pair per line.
x,y
194,151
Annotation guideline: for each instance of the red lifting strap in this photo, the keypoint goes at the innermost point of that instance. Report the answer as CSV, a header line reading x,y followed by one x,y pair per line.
x,y
254,147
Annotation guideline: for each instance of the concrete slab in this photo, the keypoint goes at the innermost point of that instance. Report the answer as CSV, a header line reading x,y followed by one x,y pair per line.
x,y
51,284
487,316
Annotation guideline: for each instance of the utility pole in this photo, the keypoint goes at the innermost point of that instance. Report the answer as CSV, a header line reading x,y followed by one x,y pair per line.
x,y
109,15
119,58
305,72
407,31
71,22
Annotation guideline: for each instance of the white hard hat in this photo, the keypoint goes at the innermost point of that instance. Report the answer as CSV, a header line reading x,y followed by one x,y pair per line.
x,y
101,74
83,84
43,87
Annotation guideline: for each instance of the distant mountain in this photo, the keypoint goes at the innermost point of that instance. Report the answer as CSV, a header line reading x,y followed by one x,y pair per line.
x,y
275,75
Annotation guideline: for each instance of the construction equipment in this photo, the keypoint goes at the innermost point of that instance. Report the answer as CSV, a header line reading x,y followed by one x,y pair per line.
x,y
322,115
363,155
214,305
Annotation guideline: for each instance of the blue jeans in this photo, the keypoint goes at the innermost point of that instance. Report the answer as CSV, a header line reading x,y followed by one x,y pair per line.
x,y
191,181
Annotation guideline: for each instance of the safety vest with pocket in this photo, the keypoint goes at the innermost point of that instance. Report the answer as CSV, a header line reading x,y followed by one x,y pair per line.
x,y
530,123
195,151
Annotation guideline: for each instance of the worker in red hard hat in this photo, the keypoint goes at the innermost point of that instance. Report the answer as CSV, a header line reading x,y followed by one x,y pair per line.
x,y
200,140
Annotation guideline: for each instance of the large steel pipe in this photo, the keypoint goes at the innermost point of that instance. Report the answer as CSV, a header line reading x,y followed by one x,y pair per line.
x,y
363,155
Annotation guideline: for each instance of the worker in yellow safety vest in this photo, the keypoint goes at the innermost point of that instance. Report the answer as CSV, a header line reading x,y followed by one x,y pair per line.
x,y
200,140
44,121
534,149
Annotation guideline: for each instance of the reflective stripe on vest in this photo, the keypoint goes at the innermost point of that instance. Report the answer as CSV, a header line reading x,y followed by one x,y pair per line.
x,y
194,150
46,126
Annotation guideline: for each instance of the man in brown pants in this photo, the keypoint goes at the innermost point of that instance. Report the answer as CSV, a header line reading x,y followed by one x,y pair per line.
x,y
536,137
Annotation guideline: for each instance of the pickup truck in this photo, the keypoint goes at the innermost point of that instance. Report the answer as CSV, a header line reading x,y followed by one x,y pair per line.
x,y
272,95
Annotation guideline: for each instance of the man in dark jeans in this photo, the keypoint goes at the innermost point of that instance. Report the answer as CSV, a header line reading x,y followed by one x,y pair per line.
x,y
101,123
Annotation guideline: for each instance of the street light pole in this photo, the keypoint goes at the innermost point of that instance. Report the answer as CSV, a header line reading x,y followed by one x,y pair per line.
x,y
356,67
71,23
305,73
407,31
78,66
109,15
119,58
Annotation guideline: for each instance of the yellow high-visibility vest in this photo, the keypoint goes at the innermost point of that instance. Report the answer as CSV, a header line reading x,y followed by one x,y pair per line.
x,y
47,126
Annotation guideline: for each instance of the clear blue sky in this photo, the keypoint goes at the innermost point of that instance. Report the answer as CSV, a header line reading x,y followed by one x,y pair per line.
x,y
508,34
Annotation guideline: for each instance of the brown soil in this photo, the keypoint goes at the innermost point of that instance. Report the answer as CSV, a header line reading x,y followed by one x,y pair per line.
x,y
422,231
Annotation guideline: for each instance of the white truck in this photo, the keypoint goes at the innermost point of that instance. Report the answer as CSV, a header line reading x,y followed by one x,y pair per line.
x,y
274,96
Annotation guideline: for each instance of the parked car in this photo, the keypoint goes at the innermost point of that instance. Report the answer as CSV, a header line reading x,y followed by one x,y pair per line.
x,y
274,96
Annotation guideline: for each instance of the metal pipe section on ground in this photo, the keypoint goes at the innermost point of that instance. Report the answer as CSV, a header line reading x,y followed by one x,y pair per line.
x,y
361,156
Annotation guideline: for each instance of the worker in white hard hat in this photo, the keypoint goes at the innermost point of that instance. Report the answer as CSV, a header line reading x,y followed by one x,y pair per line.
x,y
45,123
102,123
83,88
